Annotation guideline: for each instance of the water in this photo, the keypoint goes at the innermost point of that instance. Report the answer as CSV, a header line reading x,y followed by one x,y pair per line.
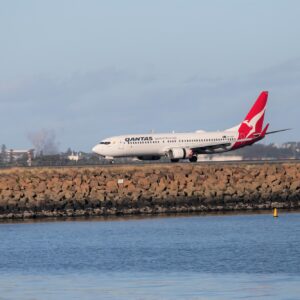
x,y
196,257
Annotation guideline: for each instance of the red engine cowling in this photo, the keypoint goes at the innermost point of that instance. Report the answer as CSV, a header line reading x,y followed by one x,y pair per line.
x,y
180,153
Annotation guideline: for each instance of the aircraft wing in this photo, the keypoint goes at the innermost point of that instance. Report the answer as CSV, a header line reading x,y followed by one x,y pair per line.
x,y
211,146
221,145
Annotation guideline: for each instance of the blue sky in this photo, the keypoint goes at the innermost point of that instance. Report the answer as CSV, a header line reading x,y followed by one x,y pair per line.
x,y
92,69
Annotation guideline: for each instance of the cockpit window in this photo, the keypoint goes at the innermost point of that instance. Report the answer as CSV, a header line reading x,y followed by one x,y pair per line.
x,y
104,143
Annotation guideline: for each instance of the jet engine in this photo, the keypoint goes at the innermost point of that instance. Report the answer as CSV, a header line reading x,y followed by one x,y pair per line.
x,y
180,153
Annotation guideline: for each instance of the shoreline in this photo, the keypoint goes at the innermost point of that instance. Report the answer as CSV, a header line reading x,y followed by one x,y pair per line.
x,y
118,218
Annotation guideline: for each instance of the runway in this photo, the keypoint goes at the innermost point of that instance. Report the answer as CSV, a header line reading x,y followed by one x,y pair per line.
x,y
163,163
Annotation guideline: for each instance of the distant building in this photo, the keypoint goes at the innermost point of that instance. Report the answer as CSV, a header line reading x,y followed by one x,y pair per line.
x,y
291,145
13,155
74,157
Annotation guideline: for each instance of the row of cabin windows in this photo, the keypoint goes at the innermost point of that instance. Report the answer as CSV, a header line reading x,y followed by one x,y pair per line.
x,y
185,141
209,140
144,142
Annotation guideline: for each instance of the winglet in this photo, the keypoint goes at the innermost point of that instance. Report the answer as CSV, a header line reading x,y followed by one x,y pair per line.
x,y
263,133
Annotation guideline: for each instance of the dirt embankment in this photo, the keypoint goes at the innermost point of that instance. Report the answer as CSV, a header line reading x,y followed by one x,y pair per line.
x,y
147,189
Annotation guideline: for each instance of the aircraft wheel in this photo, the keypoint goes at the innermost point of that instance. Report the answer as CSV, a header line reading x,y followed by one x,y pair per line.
x,y
174,160
193,159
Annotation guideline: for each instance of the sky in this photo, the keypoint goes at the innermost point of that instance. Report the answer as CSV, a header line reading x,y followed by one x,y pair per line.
x,y
91,69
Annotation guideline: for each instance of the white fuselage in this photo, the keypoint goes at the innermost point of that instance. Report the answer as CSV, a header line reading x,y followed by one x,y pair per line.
x,y
142,145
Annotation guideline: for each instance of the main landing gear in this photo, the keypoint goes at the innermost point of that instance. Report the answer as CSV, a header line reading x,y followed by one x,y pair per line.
x,y
193,159
173,160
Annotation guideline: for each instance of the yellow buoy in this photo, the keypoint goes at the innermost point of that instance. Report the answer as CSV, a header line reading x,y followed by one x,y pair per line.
x,y
275,213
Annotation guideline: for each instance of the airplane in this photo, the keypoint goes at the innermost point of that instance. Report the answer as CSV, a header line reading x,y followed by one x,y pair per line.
x,y
177,146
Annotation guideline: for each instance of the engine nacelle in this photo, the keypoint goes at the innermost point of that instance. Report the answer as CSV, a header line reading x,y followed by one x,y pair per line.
x,y
180,153
149,157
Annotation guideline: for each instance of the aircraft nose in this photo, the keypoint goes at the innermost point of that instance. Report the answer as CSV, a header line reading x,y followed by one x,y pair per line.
x,y
96,149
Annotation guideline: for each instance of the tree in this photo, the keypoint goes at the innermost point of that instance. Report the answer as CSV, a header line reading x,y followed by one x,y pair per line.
x,y
3,154
69,151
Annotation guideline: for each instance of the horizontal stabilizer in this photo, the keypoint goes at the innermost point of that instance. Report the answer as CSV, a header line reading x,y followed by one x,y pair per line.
x,y
276,131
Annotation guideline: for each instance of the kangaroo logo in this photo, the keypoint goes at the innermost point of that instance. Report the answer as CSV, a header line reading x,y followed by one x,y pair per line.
x,y
251,124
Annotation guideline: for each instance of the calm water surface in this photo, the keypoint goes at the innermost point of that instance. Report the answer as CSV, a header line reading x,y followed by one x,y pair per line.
x,y
197,257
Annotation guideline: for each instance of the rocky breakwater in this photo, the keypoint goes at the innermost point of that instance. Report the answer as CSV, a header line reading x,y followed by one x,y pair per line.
x,y
147,189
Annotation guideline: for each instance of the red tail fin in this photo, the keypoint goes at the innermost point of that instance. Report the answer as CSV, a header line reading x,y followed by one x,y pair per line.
x,y
253,122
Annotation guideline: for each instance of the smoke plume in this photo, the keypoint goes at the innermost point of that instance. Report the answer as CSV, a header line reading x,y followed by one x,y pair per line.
x,y
44,142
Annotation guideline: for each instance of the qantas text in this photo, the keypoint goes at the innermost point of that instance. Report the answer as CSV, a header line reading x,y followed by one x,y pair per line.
x,y
139,139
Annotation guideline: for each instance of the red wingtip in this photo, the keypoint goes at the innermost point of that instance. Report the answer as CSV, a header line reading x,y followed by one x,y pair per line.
x,y
265,130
